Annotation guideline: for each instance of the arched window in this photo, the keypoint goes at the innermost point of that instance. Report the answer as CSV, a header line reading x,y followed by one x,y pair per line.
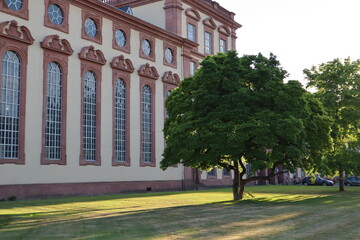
x,y
89,117
120,121
10,106
146,125
53,110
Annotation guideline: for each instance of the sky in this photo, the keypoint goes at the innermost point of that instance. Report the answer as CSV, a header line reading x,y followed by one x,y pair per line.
x,y
301,33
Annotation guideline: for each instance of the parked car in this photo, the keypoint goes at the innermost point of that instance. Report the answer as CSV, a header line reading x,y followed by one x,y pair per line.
x,y
318,181
352,181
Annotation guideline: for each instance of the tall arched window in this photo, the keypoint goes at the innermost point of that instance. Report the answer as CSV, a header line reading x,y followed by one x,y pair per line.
x,y
10,106
146,125
53,110
120,121
89,117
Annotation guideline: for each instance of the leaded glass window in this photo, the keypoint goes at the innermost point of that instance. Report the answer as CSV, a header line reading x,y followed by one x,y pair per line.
x,y
10,106
55,14
120,121
191,32
146,47
208,43
146,125
169,56
89,117
120,38
53,110
90,27
15,5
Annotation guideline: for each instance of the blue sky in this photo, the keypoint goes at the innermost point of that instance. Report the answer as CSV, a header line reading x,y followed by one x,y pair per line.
x,y
301,33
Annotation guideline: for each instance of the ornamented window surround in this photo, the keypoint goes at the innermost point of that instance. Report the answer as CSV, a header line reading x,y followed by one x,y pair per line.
x,y
17,39
127,32
56,50
122,68
98,22
211,31
224,34
151,40
174,52
148,76
22,13
91,60
209,26
192,17
64,27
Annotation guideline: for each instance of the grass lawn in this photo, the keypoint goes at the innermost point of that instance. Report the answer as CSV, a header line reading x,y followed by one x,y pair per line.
x,y
275,212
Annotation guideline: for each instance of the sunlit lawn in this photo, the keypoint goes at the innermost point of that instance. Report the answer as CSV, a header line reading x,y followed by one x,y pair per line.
x,y
275,212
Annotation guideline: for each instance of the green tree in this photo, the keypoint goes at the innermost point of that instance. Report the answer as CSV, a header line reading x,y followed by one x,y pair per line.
x,y
238,110
337,85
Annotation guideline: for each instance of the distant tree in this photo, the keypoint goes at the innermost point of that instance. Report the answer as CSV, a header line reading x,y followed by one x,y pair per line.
x,y
337,85
238,110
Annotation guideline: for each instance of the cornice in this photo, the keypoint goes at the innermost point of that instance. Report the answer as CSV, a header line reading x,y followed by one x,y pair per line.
x,y
135,23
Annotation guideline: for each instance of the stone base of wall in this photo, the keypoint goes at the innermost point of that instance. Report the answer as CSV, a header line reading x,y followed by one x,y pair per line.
x,y
35,191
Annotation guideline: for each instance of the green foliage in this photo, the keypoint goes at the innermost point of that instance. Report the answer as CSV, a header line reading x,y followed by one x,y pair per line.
x,y
240,108
338,87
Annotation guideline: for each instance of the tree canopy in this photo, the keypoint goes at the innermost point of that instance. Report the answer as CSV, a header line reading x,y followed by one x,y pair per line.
x,y
235,111
337,85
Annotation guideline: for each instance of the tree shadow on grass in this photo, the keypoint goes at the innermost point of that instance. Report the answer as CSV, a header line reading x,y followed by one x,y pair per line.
x,y
213,220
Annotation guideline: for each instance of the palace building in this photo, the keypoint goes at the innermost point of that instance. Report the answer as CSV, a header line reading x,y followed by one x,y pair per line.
x,y
83,86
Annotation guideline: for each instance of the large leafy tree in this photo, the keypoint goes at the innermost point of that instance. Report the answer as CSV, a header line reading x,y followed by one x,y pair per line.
x,y
337,85
238,110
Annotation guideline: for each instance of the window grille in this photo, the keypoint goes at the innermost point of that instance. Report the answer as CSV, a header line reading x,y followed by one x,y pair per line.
x,y
89,117
191,32
53,112
10,106
146,125
120,121
208,41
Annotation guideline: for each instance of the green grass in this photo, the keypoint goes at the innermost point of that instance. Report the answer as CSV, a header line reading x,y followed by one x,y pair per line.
x,y
275,212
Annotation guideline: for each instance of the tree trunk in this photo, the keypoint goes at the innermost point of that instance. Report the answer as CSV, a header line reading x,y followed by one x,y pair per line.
x,y
341,181
236,182
242,188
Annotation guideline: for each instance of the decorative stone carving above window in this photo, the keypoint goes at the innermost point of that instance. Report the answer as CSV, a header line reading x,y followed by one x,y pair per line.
x,y
10,29
53,42
171,78
146,71
224,30
123,64
192,13
92,55
209,22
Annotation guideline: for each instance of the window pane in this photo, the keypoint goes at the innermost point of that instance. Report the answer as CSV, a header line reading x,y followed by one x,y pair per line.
x,y
191,32
14,4
53,112
89,117
146,125
223,46
10,106
120,121
208,41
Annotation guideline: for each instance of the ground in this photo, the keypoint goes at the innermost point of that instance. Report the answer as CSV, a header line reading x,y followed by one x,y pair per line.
x,y
272,212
